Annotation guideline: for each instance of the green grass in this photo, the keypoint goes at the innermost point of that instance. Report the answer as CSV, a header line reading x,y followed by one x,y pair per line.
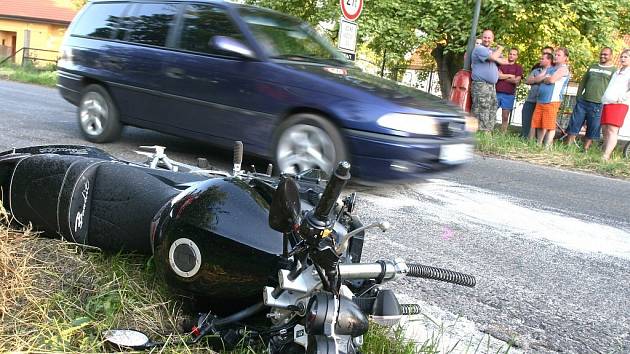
x,y
572,157
386,340
46,76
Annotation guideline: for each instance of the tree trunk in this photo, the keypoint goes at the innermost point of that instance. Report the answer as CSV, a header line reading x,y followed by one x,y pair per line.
x,y
448,65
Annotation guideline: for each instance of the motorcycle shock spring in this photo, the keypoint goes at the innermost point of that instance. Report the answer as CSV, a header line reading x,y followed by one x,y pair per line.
x,y
441,274
410,309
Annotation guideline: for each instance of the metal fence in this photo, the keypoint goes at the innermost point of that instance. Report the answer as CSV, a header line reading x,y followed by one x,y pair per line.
x,y
33,56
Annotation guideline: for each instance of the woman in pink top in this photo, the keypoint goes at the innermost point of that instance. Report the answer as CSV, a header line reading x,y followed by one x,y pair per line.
x,y
616,100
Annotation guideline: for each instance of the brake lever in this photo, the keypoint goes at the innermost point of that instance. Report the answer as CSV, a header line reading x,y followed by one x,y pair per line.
x,y
383,225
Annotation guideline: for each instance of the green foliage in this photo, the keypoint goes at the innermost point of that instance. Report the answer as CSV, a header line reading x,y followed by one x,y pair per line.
x,y
400,26
311,11
382,340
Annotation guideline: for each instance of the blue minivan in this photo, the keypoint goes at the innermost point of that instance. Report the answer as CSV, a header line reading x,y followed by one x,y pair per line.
x,y
219,72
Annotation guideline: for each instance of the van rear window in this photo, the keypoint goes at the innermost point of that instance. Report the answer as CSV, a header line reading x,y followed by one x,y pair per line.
x,y
100,20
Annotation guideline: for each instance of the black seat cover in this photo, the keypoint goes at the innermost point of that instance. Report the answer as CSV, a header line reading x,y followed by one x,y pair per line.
x,y
102,203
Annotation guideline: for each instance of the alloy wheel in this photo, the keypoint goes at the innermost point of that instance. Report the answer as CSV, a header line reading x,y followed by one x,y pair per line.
x,y
302,146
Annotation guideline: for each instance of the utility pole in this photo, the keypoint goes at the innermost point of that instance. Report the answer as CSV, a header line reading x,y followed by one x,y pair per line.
x,y
460,88
473,35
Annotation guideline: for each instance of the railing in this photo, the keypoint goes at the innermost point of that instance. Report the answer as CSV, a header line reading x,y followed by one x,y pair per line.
x,y
33,55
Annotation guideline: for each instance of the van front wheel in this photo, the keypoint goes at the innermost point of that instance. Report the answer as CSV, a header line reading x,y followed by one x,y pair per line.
x,y
98,115
306,141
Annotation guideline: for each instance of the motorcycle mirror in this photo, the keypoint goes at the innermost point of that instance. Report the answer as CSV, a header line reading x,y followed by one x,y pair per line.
x,y
127,339
285,206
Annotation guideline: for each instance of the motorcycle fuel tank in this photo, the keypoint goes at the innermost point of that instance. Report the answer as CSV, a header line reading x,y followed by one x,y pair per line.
x,y
216,243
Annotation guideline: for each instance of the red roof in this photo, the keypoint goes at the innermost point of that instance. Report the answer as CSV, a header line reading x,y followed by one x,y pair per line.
x,y
58,11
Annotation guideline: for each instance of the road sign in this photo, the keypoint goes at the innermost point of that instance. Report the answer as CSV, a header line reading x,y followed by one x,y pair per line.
x,y
350,56
347,36
351,9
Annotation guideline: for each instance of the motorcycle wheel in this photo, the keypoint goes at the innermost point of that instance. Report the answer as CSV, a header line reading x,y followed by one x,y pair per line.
x,y
626,150
305,141
98,115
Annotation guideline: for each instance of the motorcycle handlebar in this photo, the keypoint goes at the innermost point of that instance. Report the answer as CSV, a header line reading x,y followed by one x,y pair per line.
x,y
388,270
338,180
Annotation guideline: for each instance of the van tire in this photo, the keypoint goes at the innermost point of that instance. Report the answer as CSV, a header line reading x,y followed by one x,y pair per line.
x,y
98,115
325,144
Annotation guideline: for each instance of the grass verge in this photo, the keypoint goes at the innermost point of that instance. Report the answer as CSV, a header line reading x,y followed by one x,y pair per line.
x,y
386,340
511,146
46,76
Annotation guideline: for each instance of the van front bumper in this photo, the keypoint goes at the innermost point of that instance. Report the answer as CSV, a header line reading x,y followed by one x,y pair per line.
x,y
381,157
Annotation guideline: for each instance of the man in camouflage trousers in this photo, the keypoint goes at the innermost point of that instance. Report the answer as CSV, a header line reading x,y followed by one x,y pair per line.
x,y
485,74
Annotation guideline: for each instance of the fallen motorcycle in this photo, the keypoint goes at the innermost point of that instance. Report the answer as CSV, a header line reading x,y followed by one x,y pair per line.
x,y
274,258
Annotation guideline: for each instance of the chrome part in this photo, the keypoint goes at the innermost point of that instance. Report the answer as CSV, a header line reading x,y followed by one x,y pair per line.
x,y
383,225
303,146
304,283
93,113
402,166
190,246
126,338
299,335
329,323
393,270
400,267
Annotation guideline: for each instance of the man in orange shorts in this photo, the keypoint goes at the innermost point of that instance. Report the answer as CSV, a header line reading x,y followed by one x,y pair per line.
x,y
553,82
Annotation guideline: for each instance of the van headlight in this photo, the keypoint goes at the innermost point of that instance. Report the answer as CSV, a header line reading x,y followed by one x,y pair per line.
x,y
410,123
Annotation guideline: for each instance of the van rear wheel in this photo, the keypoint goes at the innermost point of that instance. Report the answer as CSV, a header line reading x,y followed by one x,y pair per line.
x,y
98,115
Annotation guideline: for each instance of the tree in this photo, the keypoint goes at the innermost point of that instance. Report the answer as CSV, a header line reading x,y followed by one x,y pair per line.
x,y
581,26
397,27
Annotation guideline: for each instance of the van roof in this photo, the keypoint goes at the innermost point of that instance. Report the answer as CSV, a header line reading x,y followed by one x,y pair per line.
x,y
227,3
184,1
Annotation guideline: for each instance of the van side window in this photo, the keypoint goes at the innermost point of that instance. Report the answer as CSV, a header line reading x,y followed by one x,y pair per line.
x,y
151,23
100,20
201,23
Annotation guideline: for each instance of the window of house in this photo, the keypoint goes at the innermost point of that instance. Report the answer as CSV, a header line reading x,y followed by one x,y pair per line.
x,y
201,23
100,20
151,23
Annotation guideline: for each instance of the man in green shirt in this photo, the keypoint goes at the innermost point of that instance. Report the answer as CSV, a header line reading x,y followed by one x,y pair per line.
x,y
588,106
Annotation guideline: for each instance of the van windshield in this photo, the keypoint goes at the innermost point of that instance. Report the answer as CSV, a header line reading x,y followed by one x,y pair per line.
x,y
284,37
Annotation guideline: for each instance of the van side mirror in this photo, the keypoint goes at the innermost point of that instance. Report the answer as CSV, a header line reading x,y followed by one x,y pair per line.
x,y
231,45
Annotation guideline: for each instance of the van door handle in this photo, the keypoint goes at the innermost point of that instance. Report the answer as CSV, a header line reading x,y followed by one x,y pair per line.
x,y
175,73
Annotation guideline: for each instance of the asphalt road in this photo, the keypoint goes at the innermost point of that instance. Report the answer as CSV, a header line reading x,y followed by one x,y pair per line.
x,y
550,248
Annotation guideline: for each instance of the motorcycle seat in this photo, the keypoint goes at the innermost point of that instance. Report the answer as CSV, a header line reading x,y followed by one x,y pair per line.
x,y
107,204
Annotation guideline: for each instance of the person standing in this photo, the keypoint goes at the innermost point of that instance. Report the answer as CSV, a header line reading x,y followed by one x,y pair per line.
x,y
485,75
615,101
510,75
553,83
530,101
588,106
